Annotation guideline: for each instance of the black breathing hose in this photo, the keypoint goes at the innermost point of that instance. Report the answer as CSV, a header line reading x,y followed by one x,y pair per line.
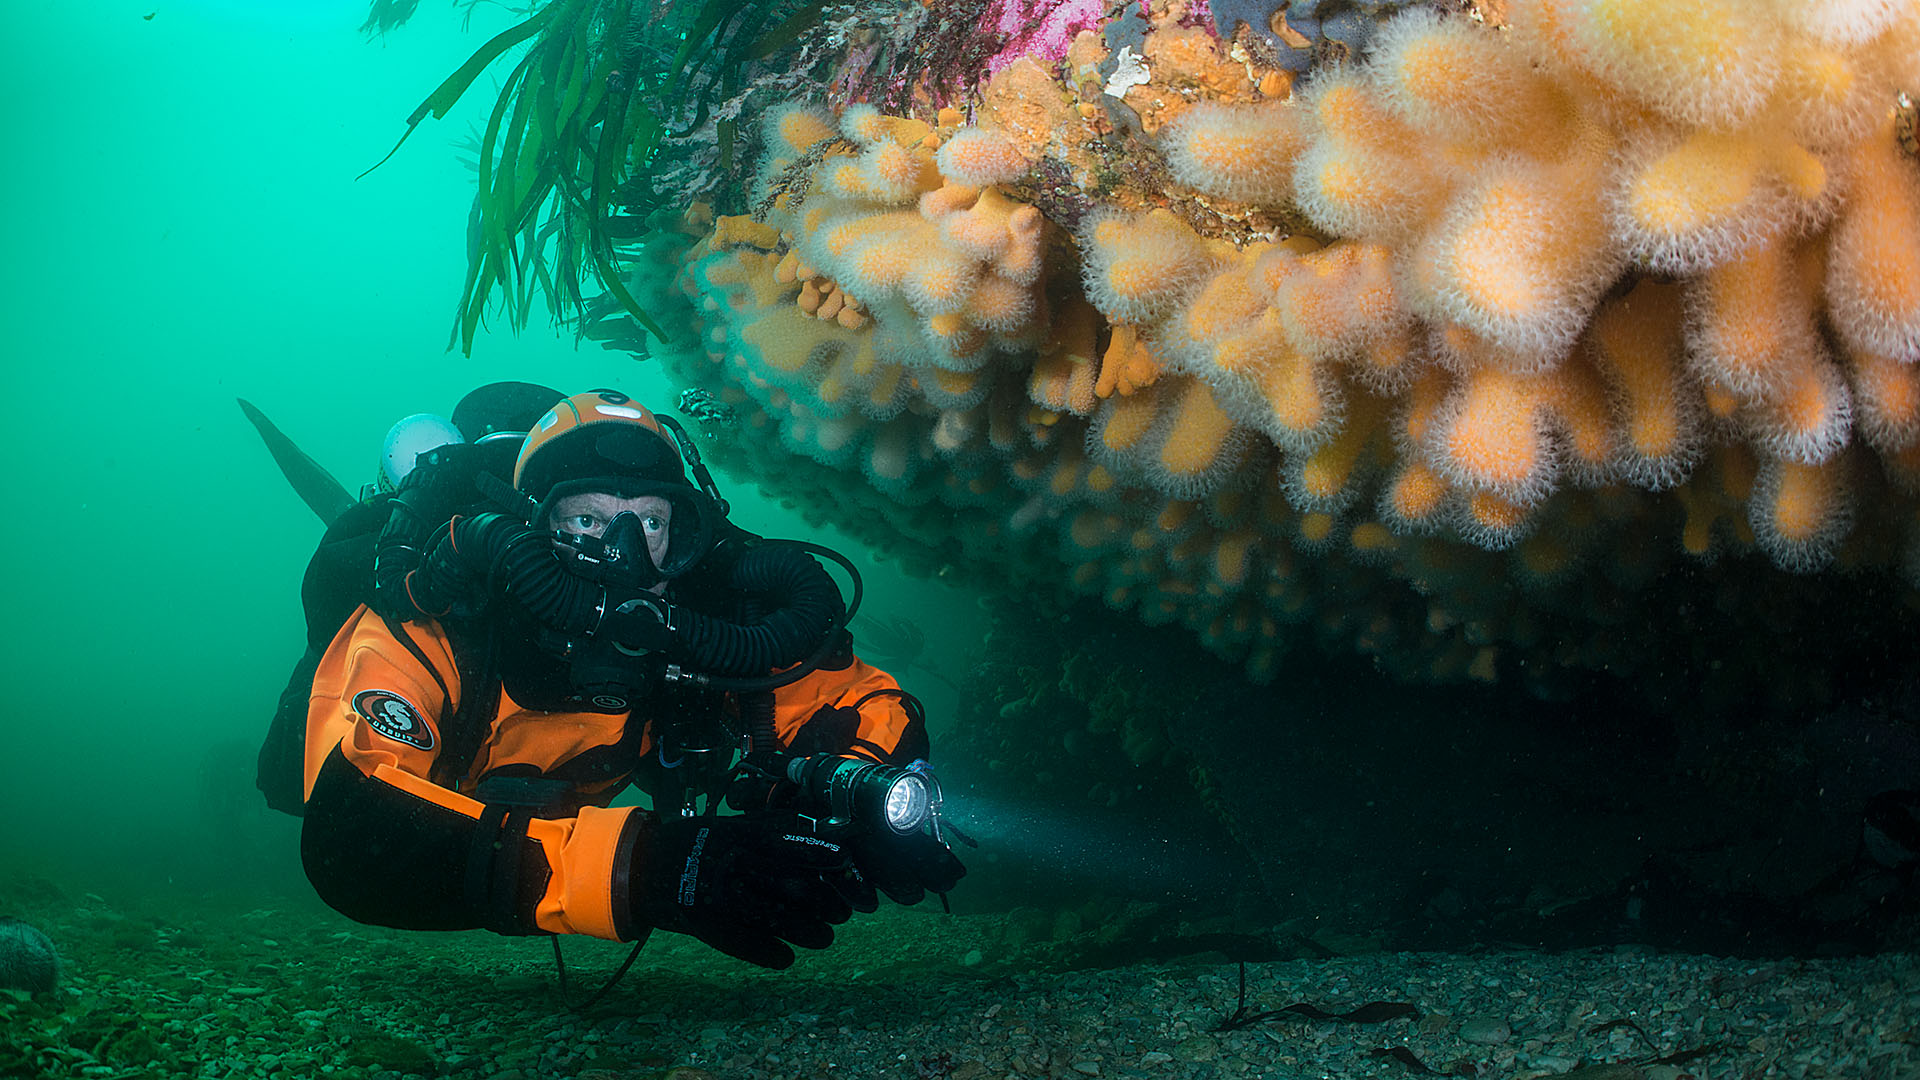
x,y
805,613
802,607
827,642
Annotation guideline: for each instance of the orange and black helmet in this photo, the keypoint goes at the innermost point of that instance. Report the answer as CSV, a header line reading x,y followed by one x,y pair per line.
x,y
604,441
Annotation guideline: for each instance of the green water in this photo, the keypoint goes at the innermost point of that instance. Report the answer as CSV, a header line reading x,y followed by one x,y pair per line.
x,y
184,227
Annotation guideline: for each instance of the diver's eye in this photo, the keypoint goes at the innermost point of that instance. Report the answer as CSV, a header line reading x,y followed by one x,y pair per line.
x,y
654,523
582,522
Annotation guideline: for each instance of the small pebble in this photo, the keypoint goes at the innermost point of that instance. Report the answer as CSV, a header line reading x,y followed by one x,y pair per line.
x,y
1484,1031
1198,1048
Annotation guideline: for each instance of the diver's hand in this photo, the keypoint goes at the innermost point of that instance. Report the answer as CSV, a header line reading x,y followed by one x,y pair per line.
x,y
428,497
906,868
746,885
446,583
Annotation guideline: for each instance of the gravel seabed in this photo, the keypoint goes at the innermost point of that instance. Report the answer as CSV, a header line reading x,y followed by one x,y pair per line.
x,y
298,992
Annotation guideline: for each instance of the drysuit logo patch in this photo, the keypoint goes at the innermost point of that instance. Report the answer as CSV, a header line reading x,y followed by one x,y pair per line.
x,y
389,714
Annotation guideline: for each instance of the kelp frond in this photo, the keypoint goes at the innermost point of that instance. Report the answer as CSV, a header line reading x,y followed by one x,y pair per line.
x,y
572,138
385,16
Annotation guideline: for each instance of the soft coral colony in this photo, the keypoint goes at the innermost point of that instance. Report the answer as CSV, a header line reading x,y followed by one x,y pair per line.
x,y
1544,294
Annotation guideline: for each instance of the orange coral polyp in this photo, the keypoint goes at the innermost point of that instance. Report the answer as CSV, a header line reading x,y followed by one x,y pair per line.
x,y
1705,62
1458,80
1197,434
1316,528
1233,557
1741,325
1415,496
1373,538
1799,511
1489,263
1493,438
1654,430
1800,504
1001,305
1345,105
981,158
1317,311
800,127
1696,185
1887,394
940,282
901,173
1239,152
1636,342
1126,421
1351,181
1579,402
1298,405
984,229
1223,305
1873,273
1135,283
1521,259
880,266
1326,478
1431,71
1810,418
1491,511
840,237
1253,348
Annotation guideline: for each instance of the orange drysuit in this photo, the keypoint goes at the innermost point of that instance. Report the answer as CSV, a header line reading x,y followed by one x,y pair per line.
x,y
389,839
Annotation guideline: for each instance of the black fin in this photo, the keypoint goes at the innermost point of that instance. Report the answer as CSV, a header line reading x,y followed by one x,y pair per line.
x,y
312,482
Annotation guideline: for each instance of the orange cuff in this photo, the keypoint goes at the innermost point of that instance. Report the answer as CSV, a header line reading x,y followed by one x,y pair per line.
x,y
586,894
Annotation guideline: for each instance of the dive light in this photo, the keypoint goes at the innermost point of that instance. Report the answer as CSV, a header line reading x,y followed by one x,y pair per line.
x,y
849,790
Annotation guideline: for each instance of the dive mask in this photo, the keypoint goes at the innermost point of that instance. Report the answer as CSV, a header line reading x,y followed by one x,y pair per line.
x,y
618,556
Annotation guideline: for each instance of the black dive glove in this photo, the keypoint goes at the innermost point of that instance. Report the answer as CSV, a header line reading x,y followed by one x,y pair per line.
x,y
446,583
744,884
906,868
440,485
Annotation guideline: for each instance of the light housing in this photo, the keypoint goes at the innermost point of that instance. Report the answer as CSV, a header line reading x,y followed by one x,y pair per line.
x,y
849,790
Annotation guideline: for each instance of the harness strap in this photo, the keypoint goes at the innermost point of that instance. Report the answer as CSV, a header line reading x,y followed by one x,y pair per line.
x,y
480,678
479,877
493,868
509,851
400,634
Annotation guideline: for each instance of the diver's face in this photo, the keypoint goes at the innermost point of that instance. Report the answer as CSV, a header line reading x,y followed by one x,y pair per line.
x,y
590,512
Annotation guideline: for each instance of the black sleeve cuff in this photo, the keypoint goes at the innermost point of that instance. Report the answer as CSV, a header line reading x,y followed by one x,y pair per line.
x,y
379,855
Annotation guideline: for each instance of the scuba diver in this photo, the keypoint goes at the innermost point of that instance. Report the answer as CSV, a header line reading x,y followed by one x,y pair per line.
x,y
484,435
513,672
